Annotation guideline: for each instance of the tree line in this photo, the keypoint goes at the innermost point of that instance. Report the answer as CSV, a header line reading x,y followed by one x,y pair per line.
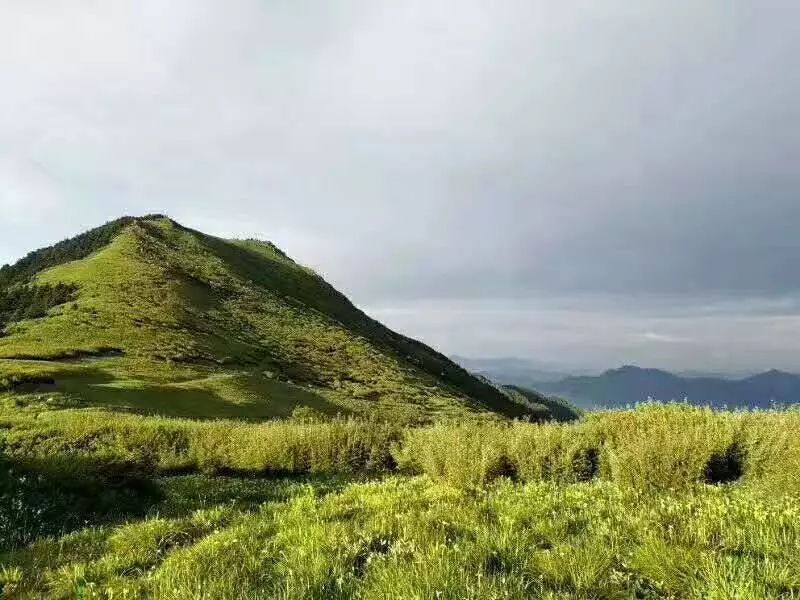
x,y
32,301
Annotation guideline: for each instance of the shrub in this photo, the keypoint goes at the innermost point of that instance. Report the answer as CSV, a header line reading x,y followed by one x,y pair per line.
x,y
664,446
466,455
564,453
771,446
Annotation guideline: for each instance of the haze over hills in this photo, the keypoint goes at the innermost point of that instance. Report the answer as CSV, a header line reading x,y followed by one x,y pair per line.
x,y
144,314
630,385
516,371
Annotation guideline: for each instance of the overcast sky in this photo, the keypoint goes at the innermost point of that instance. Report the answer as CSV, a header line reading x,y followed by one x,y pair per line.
x,y
584,183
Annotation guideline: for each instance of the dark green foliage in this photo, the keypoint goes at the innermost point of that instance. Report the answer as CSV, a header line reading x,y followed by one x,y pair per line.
x,y
502,466
586,463
557,409
22,381
74,248
32,301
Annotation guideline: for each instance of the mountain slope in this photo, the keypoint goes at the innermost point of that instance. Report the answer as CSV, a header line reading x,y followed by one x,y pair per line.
x,y
146,314
630,385
551,407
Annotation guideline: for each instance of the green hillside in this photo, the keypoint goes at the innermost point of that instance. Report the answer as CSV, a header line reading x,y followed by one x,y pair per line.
x,y
143,314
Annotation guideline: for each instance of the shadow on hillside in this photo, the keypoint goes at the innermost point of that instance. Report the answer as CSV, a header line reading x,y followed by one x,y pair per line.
x,y
157,399
280,399
251,397
246,396
47,376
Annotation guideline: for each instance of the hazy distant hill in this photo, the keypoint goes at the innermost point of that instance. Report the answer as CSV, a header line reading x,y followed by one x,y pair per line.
x,y
513,371
630,385
144,314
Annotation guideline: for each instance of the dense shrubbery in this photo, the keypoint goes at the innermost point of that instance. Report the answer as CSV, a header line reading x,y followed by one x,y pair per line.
x,y
32,301
99,440
660,447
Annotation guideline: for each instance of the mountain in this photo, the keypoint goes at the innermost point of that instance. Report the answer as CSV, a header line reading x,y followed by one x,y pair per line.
x,y
514,376
630,385
144,314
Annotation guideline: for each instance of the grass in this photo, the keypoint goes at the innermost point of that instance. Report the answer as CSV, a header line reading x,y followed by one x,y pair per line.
x,y
654,446
175,511
415,538
656,502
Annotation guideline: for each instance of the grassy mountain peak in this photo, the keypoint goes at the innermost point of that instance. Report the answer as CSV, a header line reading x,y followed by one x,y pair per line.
x,y
145,314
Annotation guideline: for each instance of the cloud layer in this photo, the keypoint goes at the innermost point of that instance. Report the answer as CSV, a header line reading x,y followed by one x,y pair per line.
x,y
584,182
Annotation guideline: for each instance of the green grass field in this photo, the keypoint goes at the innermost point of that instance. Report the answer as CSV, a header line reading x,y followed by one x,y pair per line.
x,y
656,502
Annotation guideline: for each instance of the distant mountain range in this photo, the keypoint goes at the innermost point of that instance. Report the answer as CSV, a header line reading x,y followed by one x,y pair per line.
x,y
630,385
515,371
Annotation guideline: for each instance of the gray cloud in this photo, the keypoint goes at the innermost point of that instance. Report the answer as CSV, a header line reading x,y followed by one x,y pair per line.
x,y
616,162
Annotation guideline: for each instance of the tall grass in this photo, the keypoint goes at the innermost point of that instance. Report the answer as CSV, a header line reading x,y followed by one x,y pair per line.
x,y
654,446
161,445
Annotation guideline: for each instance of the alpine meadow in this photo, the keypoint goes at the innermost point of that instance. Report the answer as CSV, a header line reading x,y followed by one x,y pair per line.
x,y
186,417
399,300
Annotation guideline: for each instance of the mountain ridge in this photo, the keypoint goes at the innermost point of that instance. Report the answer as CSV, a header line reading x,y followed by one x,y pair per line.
x,y
631,384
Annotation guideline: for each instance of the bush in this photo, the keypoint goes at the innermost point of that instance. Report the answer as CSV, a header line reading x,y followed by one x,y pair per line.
x,y
466,455
563,453
664,446
653,446
771,447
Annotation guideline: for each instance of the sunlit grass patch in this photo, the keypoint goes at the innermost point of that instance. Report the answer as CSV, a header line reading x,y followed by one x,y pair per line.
x,y
413,538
